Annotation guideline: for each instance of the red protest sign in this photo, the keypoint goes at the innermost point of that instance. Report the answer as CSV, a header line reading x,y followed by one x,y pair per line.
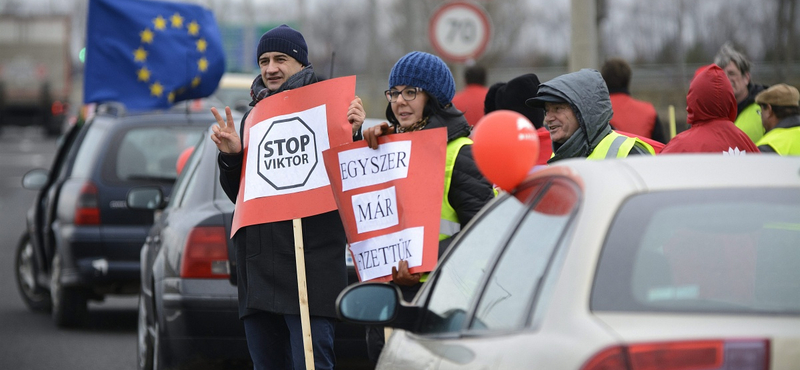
x,y
390,200
283,174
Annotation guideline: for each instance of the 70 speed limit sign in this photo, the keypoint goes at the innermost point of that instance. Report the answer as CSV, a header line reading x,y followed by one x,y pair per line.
x,y
459,31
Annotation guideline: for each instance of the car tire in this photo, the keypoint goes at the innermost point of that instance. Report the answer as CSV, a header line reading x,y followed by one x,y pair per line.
x,y
144,345
68,304
34,296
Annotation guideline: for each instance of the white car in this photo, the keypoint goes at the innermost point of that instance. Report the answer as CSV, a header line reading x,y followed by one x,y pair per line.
x,y
668,262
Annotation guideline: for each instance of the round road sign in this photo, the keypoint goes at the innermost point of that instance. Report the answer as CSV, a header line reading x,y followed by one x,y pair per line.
x,y
459,31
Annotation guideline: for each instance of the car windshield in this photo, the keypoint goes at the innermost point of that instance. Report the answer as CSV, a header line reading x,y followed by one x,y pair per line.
x,y
151,153
515,281
529,225
720,251
458,277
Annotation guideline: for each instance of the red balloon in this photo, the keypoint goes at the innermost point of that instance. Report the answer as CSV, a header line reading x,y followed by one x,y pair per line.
x,y
183,158
506,147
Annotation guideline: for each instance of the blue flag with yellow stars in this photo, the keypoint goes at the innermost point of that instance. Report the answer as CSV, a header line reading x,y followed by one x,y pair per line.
x,y
151,54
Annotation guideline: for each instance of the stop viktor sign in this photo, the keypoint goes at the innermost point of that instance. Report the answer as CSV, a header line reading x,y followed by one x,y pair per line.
x,y
283,138
287,153
459,31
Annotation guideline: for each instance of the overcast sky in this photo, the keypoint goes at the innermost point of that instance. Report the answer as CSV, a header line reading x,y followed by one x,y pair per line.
x,y
633,23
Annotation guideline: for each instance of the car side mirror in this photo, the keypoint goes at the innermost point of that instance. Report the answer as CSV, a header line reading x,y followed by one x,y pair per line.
x,y
35,179
368,303
146,198
375,304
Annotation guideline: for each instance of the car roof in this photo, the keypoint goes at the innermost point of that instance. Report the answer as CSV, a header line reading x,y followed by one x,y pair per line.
x,y
178,118
236,80
183,111
680,171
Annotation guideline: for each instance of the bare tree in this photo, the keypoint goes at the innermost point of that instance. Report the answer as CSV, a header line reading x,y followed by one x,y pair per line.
x,y
508,19
784,35
336,28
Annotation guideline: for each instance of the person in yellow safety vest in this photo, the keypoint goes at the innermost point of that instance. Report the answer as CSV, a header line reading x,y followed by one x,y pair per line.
x,y
577,113
737,68
780,116
420,94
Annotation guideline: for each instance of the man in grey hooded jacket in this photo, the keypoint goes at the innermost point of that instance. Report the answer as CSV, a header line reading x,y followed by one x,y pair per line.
x,y
577,111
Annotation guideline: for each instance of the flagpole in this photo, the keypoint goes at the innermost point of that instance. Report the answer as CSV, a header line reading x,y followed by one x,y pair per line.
x,y
302,292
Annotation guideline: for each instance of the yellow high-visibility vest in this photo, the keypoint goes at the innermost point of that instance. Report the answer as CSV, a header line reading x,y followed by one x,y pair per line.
x,y
785,141
449,224
749,121
616,145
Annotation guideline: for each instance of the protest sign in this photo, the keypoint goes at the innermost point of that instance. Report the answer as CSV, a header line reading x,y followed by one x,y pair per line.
x,y
390,200
283,174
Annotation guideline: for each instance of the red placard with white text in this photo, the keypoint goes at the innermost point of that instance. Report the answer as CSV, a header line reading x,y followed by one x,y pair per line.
x,y
283,173
390,200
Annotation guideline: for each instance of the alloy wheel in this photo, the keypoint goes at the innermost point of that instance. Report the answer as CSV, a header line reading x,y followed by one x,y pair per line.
x,y
34,296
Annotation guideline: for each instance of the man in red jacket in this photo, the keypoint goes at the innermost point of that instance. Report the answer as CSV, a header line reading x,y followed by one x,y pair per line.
x,y
711,108
630,115
470,100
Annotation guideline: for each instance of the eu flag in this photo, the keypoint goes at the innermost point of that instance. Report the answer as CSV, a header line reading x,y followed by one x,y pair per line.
x,y
150,54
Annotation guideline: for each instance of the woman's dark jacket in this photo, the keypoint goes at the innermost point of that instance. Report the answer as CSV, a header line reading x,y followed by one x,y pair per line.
x,y
469,190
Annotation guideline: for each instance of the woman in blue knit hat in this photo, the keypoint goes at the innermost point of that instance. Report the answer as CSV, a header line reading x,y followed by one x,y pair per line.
x,y
420,94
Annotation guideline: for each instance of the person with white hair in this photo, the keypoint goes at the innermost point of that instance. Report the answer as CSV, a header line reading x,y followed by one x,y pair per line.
x,y
737,68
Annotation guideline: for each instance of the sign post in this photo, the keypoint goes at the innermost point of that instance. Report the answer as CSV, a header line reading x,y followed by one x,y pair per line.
x,y
302,292
460,31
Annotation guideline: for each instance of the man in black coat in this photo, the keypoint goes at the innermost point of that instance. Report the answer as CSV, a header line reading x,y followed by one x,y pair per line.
x,y
266,270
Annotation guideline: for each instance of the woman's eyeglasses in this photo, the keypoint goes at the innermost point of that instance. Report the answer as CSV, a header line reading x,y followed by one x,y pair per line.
x,y
409,94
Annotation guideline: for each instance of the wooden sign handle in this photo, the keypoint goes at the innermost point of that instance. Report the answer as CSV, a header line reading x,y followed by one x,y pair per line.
x,y
302,292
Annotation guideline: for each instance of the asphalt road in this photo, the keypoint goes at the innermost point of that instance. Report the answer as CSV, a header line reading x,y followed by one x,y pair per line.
x,y
29,340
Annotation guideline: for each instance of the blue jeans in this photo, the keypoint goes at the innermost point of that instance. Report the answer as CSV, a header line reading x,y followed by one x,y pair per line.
x,y
276,341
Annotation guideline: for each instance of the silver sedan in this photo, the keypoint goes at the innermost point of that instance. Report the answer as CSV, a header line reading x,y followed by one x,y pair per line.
x,y
669,262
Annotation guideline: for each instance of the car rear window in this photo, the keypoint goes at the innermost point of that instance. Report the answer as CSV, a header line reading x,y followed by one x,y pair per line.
x,y
720,251
88,147
151,152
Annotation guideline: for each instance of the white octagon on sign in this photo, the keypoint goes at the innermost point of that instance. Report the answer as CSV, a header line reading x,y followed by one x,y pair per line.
x,y
459,31
287,154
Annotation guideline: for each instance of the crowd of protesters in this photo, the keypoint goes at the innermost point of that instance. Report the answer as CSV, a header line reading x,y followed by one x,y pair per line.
x,y
583,114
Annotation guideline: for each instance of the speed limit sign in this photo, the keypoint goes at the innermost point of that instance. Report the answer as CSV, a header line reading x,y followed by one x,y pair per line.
x,y
459,31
